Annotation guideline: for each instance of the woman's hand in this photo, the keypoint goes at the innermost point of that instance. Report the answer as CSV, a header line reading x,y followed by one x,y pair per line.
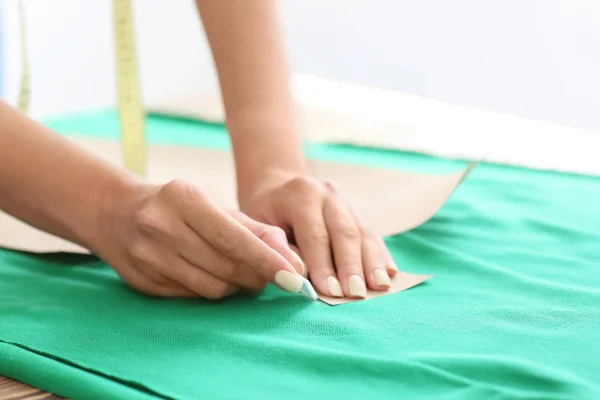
x,y
255,76
171,240
341,254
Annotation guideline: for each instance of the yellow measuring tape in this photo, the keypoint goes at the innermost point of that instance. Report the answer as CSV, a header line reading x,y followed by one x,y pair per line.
x,y
131,110
25,89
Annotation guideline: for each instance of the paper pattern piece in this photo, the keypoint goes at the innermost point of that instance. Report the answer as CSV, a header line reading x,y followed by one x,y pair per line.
x,y
401,281
390,201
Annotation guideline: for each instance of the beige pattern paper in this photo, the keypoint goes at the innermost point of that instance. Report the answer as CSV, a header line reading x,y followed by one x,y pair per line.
x,y
390,201
401,281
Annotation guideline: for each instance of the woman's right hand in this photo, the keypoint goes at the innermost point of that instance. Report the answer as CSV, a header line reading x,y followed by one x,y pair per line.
x,y
171,240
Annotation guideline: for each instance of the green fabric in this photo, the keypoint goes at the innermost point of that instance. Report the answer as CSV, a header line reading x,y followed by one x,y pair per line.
x,y
61,378
512,312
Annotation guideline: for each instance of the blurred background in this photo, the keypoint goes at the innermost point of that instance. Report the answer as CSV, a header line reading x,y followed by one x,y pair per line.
x,y
535,59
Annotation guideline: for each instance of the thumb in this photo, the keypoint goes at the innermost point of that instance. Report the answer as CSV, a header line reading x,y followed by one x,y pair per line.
x,y
296,250
275,238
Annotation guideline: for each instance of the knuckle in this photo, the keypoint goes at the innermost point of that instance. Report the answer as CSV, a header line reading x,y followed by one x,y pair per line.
x,y
195,283
227,266
261,262
304,184
351,265
257,285
176,186
229,239
139,252
215,290
263,233
149,220
319,237
277,231
183,191
143,287
349,232
366,232
272,232
332,186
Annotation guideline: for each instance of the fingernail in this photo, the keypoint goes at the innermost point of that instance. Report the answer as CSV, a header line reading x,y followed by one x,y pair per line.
x,y
300,263
308,290
335,289
382,278
289,281
392,265
357,286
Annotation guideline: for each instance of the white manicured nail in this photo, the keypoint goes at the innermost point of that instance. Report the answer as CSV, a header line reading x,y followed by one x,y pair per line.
x,y
357,287
289,281
335,289
381,278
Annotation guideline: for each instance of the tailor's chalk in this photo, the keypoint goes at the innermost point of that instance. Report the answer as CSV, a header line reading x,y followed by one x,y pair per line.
x,y
308,290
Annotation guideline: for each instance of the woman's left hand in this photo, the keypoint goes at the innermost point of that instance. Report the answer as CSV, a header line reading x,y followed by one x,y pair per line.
x,y
343,257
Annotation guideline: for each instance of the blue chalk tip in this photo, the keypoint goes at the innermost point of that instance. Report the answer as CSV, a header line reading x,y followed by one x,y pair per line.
x,y
308,290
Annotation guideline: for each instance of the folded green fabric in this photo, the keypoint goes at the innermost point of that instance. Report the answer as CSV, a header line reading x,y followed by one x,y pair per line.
x,y
512,312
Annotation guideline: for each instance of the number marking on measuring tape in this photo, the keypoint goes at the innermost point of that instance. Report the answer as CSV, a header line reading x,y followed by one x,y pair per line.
x,y
131,110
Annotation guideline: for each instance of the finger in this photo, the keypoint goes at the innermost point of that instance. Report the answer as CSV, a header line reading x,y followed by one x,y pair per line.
x,y
153,260
312,238
159,290
203,256
225,268
390,266
141,282
232,239
166,291
346,240
156,277
188,245
199,281
296,250
275,237
375,263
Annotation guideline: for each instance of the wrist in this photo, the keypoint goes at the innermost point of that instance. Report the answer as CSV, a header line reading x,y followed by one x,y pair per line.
x,y
266,145
269,179
113,198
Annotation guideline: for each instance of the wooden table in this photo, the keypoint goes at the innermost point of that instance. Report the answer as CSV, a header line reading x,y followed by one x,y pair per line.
x,y
13,390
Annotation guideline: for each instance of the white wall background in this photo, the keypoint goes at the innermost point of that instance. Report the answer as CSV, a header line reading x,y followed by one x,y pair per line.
x,y
532,58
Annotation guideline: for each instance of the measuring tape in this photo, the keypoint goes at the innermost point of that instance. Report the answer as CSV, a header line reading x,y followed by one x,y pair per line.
x,y
131,110
25,89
